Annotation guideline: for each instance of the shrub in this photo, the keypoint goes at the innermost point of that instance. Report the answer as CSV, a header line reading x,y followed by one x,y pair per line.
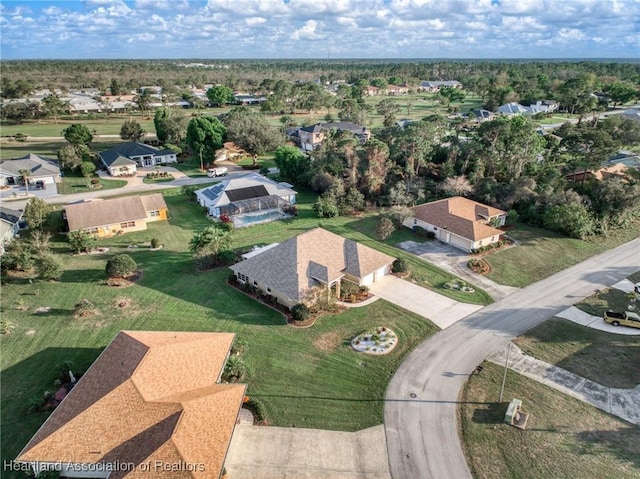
x,y
155,243
87,168
399,266
431,234
81,241
49,267
95,181
120,265
264,170
420,231
347,288
300,312
384,228
227,257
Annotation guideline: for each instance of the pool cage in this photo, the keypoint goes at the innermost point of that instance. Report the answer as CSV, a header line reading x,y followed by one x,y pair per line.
x,y
252,205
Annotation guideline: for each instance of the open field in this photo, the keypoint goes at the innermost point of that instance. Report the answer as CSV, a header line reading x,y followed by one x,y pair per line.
x,y
612,360
564,437
543,253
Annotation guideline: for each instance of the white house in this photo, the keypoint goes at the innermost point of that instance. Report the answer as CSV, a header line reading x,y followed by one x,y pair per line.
x,y
461,222
40,169
248,199
124,158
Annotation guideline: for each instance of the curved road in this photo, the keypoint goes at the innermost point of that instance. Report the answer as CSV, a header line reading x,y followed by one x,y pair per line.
x,y
421,399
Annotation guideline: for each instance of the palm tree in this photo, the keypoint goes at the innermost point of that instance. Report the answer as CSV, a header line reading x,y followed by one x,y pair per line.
x,y
25,174
234,369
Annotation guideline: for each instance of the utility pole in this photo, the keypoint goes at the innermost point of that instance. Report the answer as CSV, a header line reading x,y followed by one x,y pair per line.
x,y
504,378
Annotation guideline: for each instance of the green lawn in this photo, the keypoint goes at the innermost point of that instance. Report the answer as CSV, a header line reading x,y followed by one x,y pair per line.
x,y
565,438
610,299
72,183
48,148
543,253
103,126
612,360
303,377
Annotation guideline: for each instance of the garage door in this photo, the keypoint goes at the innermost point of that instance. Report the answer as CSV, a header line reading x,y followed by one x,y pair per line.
x,y
459,242
379,273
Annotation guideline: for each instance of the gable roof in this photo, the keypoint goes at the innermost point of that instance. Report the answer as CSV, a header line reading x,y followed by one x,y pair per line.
x,y
127,150
37,165
111,211
150,396
10,216
241,188
337,125
461,216
316,255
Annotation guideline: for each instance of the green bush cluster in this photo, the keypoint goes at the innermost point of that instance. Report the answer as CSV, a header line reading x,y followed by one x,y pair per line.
x,y
399,266
300,312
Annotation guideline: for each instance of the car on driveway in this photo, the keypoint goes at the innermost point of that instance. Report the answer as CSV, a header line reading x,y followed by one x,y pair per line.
x,y
626,318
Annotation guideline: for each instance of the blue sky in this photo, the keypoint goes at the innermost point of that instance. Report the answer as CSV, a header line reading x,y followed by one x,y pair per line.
x,y
228,29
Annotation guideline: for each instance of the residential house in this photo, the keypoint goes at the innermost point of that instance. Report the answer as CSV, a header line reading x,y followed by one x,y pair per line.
x,y
151,405
123,159
245,99
9,226
39,168
288,271
482,115
248,200
461,222
618,170
434,86
311,137
396,90
371,90
229,151
541,106
110,217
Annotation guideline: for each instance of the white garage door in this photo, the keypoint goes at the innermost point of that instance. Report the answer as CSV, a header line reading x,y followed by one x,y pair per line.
x,y
379,273
459,242
367,280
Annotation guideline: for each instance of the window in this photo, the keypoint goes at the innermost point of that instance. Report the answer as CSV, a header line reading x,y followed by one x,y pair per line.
x,y
242,277
127,224
92,231
154,213
480,243
415,221
268,290
255,283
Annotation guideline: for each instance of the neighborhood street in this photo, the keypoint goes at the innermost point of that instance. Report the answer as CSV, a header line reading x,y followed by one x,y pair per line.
x,y
422,397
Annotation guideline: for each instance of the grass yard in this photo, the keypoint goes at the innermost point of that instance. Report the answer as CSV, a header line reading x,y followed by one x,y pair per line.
x,y
48,148
565,438
610,299
612,360
107,125
303,377
73,183
543,253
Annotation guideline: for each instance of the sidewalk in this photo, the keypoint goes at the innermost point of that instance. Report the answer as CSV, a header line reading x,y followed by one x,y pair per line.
x,y
596,322
623,403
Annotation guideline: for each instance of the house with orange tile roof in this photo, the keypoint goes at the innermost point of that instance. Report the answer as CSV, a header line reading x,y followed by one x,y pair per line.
x,y
287,271
151,405
459,221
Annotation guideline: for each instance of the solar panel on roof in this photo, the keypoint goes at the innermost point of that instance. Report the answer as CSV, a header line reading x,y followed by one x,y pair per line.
x,y
213,192
247,193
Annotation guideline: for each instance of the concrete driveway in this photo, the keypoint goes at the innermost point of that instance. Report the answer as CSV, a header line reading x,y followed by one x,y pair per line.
x,y
454,261
441,310
265,452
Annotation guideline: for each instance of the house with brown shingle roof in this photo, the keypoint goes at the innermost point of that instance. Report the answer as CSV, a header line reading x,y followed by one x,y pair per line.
x,y
109,217
459,221
287,271
151,405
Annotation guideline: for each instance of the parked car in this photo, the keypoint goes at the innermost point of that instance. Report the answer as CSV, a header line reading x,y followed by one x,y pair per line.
x,y
220,171
40,185
626,318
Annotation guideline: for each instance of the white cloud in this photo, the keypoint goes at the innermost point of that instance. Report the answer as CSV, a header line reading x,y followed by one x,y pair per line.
x,y
142,37
307,32
252,21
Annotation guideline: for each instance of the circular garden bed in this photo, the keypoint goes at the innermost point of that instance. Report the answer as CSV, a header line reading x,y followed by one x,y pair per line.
x,y
380,340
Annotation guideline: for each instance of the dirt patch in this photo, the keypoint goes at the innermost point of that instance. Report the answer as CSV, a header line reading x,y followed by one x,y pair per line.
x,y
328,342
123,302
126,281
30,332
479,266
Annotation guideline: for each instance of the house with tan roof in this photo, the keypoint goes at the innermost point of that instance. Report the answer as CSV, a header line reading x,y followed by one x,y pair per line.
x,y
151,405
287,271
115,216
459,221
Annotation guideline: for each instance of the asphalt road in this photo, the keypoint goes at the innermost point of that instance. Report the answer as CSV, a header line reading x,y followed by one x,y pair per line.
x,y
422,397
